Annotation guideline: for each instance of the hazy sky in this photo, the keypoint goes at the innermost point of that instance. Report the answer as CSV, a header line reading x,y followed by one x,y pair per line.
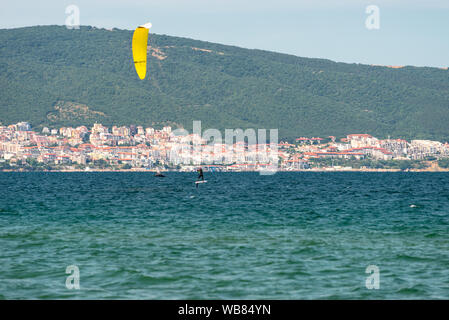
x,y
411,32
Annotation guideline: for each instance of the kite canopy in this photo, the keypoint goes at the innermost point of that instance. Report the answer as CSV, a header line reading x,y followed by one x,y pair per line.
x,y
140,40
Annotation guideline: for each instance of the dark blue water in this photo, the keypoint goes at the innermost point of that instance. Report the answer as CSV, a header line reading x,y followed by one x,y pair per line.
x,y
239,236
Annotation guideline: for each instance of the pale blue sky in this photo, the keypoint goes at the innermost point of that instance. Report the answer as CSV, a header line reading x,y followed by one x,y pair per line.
x,y
411,32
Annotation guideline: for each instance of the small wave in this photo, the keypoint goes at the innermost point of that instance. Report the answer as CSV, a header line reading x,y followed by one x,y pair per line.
x,y
8,212
305,250
432,235
154,280
413,290
411,258
310,242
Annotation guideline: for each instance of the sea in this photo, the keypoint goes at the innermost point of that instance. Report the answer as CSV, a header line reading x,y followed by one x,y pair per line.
x,y
291,235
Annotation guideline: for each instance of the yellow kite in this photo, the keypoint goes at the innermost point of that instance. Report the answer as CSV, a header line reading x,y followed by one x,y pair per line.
x,y
140,40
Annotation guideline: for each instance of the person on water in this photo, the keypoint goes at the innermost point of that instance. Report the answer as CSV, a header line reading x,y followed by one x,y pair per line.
x,y
159,173
200,174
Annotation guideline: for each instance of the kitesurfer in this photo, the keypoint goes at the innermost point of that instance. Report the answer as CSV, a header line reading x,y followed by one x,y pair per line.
x,y
200,174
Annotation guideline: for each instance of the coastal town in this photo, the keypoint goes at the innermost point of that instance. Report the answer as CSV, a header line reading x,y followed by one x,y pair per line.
x,y
135,148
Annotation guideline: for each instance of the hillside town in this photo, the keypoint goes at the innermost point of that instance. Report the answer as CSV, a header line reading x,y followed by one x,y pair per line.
x,y
137,148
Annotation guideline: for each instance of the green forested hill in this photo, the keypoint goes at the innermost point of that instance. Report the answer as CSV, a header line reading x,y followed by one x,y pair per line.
x,y
53,76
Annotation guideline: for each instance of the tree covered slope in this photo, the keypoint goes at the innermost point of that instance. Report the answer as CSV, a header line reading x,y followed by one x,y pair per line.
x,y
53,76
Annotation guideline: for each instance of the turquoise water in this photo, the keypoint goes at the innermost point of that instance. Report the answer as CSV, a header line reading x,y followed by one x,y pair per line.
x,y
239,236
